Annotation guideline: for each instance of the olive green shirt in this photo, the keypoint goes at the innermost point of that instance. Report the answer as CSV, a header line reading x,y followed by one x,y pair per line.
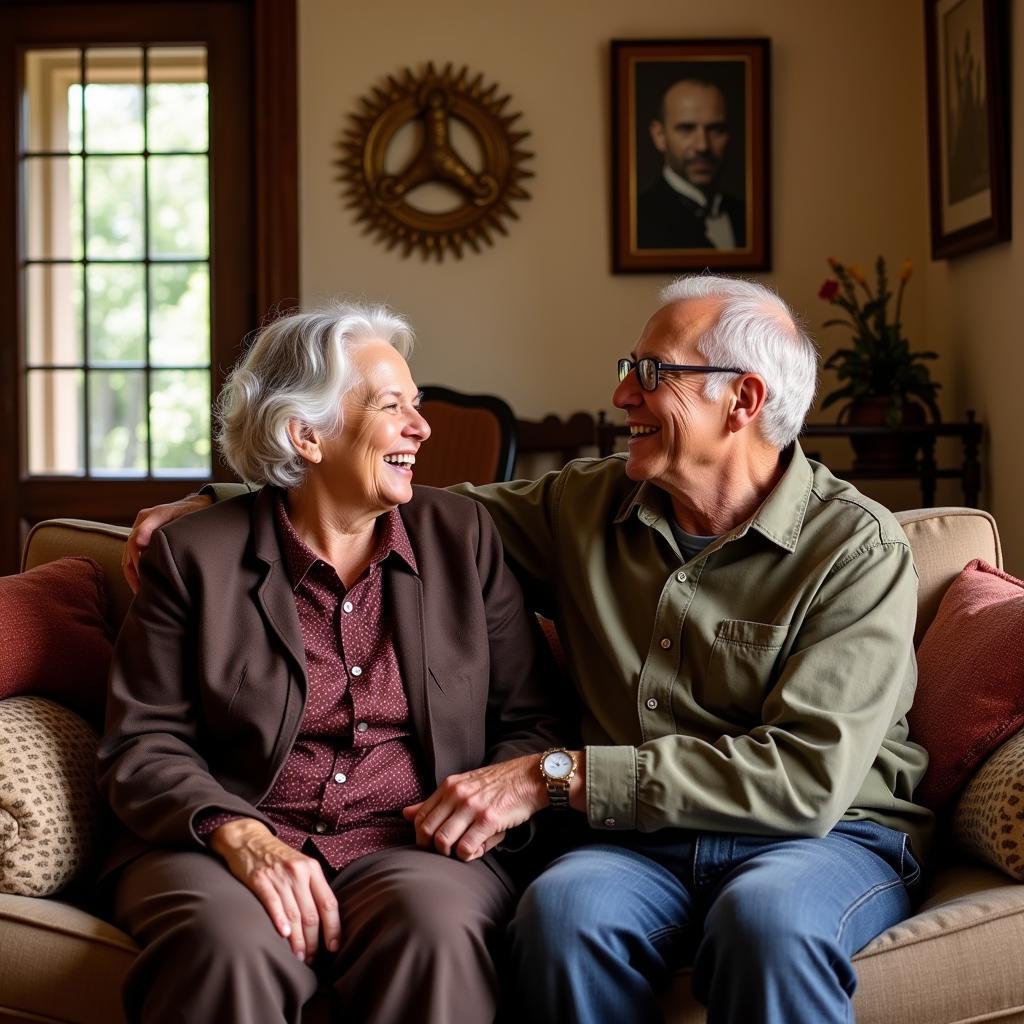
x,y
760,687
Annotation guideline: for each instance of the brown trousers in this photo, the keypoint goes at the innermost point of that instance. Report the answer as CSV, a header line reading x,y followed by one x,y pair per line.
x,y
418,938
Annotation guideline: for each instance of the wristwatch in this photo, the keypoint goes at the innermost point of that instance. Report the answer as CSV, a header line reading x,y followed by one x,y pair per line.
x,y
557,767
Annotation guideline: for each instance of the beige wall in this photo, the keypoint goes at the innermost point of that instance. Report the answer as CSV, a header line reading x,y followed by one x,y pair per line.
x,y
539,318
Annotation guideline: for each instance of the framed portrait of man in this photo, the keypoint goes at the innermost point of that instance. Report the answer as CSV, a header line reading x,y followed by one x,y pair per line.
x,y
690,155
968,132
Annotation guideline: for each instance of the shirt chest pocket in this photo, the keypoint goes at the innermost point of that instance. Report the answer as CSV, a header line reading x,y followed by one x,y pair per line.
x,y
742,667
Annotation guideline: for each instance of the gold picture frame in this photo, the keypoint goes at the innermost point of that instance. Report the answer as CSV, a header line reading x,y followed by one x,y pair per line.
x,y
690,155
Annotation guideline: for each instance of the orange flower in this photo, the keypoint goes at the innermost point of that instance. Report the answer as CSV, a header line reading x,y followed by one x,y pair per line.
x,y
856,272
906,270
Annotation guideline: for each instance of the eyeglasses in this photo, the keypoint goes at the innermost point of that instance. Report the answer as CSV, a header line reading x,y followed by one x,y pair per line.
x,y
648,370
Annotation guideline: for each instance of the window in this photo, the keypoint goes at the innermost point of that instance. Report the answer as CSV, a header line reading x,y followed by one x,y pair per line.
x,y
116,293
148,222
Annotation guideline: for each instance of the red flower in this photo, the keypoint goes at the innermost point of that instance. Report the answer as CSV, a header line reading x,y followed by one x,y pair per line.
x,y
829,290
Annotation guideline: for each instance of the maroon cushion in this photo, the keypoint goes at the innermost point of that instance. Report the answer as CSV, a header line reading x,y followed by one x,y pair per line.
x,y
54,640
970,690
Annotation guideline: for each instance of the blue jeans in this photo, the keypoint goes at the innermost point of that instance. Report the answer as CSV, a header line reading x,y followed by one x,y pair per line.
x,y
770,925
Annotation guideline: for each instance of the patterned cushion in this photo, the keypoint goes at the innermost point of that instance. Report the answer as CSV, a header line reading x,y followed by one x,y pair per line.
x,y
989,819
48,801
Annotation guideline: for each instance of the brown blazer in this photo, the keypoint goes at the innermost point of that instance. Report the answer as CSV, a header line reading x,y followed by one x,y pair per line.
x,y
208,683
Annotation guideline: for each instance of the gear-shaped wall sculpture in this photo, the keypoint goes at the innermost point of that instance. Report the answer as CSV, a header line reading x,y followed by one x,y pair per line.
x,y
382,199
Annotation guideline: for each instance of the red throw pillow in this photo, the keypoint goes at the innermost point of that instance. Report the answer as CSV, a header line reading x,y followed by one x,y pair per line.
x,y
970,689
54,639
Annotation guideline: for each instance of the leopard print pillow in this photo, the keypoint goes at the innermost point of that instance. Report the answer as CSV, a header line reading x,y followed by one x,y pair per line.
x,y
48,801
989,820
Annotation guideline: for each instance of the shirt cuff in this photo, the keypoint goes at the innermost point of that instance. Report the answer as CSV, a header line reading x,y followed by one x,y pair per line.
x,y
207,822
611,787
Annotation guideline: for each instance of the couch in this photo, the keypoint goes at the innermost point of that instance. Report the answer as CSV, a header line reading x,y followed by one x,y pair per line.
x,y
957,960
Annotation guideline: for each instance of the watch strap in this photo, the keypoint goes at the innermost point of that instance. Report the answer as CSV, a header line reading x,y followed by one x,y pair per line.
x,y
558,796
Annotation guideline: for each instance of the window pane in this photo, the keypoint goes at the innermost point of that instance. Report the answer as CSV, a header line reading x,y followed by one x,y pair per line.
x,y
178,118
53,314
114,207
55,444
117,313
117,423
179,314
53,123
52,207
180,417
177,100
113,101
178,206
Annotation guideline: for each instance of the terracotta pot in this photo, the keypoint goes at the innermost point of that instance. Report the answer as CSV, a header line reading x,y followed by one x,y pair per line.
x,y
883,451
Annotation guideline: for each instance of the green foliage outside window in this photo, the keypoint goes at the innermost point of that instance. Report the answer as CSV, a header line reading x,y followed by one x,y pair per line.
x,y
177,281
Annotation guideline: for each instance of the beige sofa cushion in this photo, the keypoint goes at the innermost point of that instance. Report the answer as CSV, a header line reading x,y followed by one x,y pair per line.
x,y
944,540
102,542
49,807
60,963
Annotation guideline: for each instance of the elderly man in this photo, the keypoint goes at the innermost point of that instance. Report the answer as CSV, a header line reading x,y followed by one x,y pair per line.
x,y
738,624
684,208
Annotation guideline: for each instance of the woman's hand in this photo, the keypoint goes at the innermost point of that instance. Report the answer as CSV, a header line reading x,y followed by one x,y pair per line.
x,y
469,814
290,885
147,522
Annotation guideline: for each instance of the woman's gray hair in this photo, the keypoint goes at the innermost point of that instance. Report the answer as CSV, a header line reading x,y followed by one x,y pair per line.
x,y
298,367
757,332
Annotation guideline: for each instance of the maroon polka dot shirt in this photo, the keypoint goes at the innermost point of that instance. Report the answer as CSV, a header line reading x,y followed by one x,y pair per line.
x,y
355,764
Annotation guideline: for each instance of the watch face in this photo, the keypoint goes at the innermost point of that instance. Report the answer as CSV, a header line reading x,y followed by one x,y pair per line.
x,y
558,764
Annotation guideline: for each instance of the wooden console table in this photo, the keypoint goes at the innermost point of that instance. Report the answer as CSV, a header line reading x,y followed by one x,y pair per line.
x,y
924,468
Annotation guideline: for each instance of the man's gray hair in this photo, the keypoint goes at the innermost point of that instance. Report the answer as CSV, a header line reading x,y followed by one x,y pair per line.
x,y
298,367
757,332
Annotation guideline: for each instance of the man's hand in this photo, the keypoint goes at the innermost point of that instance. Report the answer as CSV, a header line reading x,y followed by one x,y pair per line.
x,y
290,885
148,521
469,814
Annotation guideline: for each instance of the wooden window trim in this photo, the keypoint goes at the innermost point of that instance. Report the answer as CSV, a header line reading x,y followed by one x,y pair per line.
x,y
274,97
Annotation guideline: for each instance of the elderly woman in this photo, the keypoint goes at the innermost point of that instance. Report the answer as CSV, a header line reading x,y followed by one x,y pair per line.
x,y
302,665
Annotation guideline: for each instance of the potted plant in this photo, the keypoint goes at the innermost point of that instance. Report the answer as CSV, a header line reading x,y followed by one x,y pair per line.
x,y
883,382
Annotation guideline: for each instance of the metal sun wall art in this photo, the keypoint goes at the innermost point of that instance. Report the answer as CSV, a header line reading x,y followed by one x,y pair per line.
x,y
481,187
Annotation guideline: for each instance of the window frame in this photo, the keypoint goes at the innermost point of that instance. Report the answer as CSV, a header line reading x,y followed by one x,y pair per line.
x,y
54,76
254,231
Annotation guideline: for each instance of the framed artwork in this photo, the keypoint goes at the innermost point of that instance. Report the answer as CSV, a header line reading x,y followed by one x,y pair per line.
x,y
968,135
690,155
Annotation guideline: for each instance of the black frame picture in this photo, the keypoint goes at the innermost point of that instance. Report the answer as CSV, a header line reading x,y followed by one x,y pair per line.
x,y
968,132
690,155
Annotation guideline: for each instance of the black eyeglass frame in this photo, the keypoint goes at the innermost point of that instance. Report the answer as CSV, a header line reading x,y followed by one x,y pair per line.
x,y
626,367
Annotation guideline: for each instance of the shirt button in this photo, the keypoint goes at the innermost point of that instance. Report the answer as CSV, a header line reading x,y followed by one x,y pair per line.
x,y
665,643
609,822
347,606
356,670
681,576
361,727
320,828
341,777
652,703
